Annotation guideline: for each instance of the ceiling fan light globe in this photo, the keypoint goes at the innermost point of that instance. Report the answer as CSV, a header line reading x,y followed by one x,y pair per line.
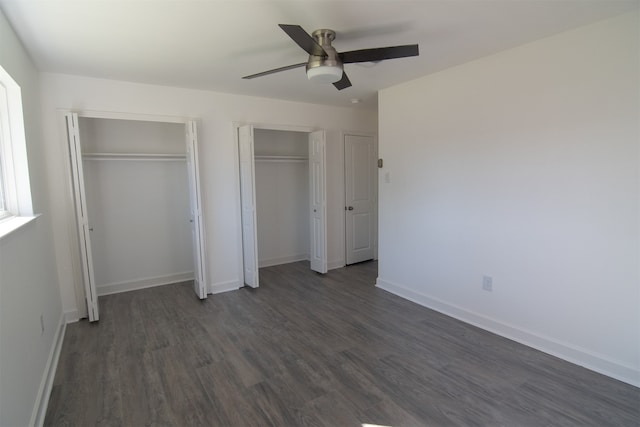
x,y
325,74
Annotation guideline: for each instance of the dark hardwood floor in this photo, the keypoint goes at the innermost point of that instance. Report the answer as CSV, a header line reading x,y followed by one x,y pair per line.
x,y
312,350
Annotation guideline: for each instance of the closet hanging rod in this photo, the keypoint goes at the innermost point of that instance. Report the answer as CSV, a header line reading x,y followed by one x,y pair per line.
x,y
281,158
133,156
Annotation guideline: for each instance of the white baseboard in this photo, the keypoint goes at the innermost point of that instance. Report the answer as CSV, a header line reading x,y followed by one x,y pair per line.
x,y
565,351
44,391
147,282
332,265
231,285
282,260
71,316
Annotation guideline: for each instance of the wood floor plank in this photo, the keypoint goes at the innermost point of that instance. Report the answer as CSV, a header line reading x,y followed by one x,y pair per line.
x,y
144,401
388,413
332,410
313,350
228,395
186,398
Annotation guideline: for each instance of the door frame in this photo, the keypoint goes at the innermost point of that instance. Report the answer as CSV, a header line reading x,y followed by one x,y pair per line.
x,y
374,135
72,225
265,126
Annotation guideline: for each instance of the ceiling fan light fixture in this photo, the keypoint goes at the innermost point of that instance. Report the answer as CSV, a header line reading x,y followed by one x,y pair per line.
x,y
325,73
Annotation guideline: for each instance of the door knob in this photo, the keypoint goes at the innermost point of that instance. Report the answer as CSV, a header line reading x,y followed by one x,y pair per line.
x,y
350,208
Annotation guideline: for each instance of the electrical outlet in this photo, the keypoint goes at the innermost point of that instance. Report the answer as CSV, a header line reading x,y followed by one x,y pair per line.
x,y
487,283
42,324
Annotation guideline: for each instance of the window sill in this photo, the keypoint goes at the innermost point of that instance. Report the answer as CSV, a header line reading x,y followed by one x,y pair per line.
x,y
10,225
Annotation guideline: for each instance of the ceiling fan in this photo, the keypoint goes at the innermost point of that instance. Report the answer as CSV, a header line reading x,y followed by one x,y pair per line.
x,y
325,64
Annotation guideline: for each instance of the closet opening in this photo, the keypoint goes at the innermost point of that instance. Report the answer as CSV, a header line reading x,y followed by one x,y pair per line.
x,y
138,204
283,198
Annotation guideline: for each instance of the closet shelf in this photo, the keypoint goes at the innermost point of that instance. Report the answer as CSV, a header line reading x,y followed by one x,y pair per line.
x,y
133,156
281,158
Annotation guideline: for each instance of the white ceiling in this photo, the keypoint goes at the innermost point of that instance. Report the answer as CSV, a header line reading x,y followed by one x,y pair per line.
x,y
212,44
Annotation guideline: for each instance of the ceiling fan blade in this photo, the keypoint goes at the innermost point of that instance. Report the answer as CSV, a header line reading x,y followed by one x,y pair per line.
x,y
303,39
275,70
343,83
379,53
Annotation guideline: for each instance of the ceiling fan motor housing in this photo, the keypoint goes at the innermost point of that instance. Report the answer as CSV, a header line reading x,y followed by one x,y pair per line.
x,y
321,68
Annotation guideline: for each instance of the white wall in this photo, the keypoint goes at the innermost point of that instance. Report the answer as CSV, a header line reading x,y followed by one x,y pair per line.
x,y
28,279
269,142
139,213
218,155
282,197
100,135
523,166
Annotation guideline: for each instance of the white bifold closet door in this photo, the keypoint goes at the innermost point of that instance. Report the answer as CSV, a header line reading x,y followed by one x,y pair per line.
x,y
248,206
318,198
197,224
82,219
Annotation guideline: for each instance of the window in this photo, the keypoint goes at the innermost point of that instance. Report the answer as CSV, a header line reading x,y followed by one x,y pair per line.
x,y
6,199
15,192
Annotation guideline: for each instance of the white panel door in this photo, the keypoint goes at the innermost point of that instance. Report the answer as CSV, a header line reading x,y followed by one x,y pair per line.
x,y
318,196
196,219
248,206
359,160
82,219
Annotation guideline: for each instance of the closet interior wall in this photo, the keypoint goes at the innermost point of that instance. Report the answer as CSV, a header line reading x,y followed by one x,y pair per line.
x,y
137,203
282,196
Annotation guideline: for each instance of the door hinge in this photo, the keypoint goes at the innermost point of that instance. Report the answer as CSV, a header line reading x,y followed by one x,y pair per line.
x,y
380,163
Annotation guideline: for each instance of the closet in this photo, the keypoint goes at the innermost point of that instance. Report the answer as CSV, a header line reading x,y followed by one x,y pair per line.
x,y
137,204
283,198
